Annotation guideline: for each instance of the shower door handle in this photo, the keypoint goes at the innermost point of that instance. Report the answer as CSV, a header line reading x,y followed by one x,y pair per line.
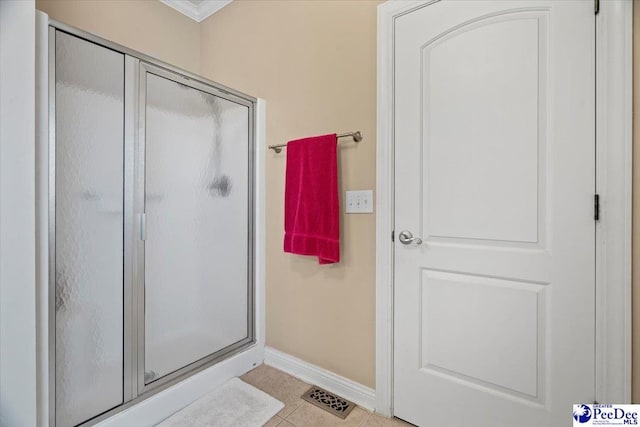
x,y
142,227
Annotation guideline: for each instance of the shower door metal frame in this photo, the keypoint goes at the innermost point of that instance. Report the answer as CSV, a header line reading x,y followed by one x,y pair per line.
x,y
52,226
136,63
148,68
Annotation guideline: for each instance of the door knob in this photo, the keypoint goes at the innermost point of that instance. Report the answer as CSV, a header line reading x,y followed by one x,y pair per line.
x,y
407,238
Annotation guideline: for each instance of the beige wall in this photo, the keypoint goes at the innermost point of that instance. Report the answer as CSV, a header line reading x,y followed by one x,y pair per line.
x,y
149,27
315,64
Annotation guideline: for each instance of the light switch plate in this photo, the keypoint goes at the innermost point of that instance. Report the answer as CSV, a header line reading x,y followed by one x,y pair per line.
x,y
360,201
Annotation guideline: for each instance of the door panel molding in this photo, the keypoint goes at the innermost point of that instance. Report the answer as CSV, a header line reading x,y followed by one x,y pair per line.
x,y
613,231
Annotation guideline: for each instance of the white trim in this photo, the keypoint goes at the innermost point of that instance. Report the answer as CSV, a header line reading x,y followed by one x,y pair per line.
x,y
614,27
613,281
198,12
351,390
259,230
387,12
18,332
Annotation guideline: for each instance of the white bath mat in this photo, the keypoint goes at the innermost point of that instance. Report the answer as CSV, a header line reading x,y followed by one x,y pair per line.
x,y
235,404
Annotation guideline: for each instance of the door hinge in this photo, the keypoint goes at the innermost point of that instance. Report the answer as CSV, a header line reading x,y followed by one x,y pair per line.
x,y
393,235
596,6
596,207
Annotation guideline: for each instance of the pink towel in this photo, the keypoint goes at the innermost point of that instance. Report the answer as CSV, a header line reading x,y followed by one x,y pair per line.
x,y
311,207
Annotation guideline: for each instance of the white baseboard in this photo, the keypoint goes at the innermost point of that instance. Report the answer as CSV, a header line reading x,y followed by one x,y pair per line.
x,y
351,390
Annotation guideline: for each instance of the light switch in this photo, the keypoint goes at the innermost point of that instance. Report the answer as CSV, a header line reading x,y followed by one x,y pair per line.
x,y
360,201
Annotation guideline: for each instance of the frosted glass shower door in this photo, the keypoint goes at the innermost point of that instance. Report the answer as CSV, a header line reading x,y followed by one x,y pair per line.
x,y
197,250
89,226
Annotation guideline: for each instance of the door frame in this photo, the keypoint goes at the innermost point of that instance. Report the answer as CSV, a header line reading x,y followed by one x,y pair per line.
x,y
614,56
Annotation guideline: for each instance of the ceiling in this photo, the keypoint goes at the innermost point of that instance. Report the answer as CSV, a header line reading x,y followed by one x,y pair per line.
x,y
198,10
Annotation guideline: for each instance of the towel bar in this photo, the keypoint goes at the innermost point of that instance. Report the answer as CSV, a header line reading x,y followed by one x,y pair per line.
x,y
357,137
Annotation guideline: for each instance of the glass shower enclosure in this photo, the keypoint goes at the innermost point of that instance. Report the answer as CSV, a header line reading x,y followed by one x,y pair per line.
x,y
151,226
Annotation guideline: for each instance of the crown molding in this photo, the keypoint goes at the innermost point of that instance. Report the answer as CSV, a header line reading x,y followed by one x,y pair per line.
x,y
200,12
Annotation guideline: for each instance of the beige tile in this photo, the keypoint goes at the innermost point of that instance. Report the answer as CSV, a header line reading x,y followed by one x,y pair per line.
x,y
273,422
289,408
256,374
379,421
283,387
308,415
285,423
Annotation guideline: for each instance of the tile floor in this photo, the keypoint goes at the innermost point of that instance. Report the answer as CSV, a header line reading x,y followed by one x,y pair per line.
x,y
298,413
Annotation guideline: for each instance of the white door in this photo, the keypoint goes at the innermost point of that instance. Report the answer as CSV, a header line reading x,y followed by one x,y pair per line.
x,y
494,171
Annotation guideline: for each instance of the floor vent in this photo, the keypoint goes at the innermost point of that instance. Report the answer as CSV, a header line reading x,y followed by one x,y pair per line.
x,y
328,401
